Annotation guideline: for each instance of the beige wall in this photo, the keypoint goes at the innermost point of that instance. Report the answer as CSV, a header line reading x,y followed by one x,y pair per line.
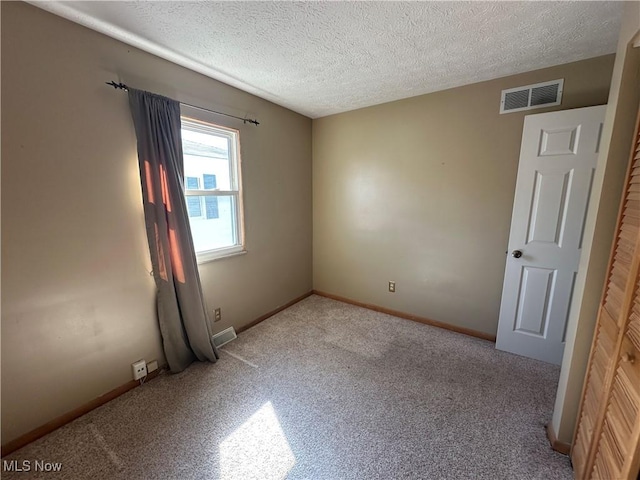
x,y
78,301
420,191
616,141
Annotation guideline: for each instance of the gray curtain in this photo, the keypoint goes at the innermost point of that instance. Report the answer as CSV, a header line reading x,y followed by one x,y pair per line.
x,y
182,316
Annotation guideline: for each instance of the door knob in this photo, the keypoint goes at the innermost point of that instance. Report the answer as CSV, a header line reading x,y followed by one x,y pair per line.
x,y
628,357
516,253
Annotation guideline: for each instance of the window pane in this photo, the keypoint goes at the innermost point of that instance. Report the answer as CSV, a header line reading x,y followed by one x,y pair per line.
x,y
192,183
211,207
194,206
207,154
210,181
217,229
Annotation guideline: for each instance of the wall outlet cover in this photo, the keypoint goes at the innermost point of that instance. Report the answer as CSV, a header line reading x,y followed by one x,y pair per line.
x,y
139,369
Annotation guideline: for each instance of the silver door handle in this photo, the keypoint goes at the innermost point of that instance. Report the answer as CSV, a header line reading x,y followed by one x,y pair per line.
x,y
516,253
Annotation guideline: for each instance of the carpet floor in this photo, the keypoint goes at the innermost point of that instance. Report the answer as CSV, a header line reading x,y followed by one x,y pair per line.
x,y
323,390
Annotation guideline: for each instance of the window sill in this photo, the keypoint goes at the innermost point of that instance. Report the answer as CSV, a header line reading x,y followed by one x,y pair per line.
x,y
207,257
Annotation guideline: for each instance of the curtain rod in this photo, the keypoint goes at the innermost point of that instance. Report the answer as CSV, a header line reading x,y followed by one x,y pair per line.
x,y
122,86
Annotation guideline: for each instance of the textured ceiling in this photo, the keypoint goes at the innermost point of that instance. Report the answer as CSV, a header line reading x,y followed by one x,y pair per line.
x,y
320,58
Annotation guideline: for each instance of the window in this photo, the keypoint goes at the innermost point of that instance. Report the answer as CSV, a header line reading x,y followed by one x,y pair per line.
x,y
212,188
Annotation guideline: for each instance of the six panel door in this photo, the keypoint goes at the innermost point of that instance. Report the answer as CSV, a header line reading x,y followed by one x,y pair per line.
x,y
557,162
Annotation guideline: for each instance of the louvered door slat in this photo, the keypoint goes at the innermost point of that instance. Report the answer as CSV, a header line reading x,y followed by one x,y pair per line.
x,y
621,428
633,331
624,407
603,349
606,442
622,260
606,457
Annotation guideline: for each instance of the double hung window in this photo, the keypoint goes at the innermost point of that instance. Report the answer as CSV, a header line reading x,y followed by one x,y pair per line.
x,y
212,188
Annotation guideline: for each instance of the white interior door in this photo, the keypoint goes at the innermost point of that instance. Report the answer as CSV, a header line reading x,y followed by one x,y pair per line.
x,y
557,163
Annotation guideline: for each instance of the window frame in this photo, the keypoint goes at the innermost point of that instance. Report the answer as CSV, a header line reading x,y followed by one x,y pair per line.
x,y
188,122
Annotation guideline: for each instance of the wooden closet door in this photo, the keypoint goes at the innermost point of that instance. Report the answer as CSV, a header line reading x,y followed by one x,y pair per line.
x,y
607,437
616,454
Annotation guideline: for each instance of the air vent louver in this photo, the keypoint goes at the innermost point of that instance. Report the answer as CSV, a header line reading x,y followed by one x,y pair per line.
x,y
224,337
517,99
544,95
531,96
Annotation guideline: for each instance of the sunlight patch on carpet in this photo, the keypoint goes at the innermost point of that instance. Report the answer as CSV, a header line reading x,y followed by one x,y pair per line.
x,y
258,449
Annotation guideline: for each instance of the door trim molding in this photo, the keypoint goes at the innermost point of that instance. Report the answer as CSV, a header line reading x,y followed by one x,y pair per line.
x,y
557,445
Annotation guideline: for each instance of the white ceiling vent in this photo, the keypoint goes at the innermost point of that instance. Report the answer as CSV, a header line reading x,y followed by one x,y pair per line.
x,y
529,97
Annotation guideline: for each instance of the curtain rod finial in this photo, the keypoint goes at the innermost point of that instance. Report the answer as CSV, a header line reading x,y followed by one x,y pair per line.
x,y
117,86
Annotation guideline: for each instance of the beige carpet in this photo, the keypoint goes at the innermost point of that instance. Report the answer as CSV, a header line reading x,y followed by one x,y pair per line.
x,y
324,390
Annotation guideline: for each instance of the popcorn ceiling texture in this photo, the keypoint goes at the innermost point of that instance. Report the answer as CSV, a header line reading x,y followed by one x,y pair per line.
x,y
321,58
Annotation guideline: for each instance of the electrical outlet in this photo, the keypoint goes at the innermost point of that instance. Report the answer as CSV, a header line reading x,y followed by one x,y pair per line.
x,y
139,369
392,287
217,315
